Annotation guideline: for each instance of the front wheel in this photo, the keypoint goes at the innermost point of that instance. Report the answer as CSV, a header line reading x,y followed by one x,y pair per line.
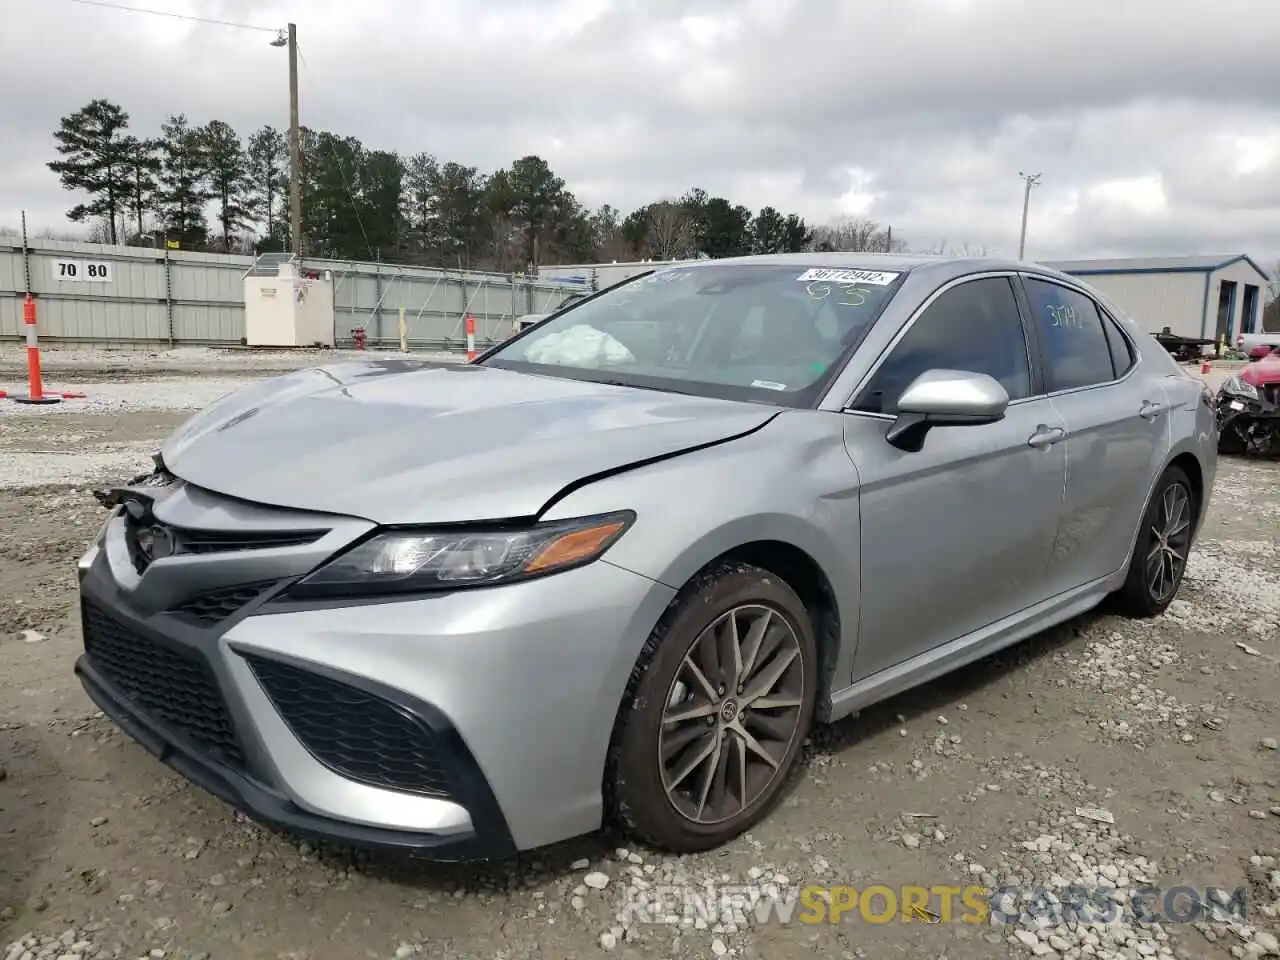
x,y
1232,436
716,713
1161,551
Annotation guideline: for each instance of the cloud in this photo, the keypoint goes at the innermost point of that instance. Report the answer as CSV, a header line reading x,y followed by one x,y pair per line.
x,y
1154,129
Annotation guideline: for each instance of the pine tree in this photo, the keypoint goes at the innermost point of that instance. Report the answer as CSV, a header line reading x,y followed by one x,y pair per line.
x,y
184,182
268,174
92,146
227,167
141,168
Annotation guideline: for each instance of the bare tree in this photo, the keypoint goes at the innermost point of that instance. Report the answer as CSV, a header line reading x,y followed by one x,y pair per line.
x,y
848,234
671,233
504,243
1271,312
102,230
50,233
944,249
45,233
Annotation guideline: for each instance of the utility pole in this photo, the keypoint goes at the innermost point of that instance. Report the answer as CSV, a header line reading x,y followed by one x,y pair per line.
x,y
1032,179
295,150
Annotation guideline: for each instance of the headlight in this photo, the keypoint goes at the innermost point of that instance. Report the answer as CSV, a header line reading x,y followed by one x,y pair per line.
x,y
416,561
1238,388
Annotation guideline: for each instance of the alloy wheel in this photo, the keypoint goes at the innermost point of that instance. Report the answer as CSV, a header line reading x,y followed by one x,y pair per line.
x,y
732,713
1170,543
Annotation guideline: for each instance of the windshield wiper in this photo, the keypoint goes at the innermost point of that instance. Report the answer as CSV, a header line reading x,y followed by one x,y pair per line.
x,y
644,386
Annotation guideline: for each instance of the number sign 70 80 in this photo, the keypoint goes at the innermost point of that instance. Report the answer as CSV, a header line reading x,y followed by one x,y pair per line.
x,y
82,271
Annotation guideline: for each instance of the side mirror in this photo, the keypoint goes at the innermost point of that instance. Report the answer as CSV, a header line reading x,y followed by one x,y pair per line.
x,y
940,398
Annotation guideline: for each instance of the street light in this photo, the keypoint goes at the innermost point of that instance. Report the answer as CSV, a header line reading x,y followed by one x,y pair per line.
x,y
283,38
1032,180
289,38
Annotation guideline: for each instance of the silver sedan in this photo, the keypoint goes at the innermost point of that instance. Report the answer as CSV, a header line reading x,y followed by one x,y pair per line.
x,y
614,570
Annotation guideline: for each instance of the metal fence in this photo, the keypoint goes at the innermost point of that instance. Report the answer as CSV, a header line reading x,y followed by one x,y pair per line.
x,y
96,293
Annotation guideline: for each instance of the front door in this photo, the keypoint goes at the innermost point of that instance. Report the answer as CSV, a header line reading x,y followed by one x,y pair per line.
x,y
958,535
1117,425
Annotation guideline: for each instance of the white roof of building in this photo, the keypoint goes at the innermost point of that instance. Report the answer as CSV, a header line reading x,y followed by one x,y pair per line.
x,y
1201,264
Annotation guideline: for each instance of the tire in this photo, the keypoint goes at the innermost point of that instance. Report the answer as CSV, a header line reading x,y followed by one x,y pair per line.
x,y
636,779
1231,448
1230,442
1138,598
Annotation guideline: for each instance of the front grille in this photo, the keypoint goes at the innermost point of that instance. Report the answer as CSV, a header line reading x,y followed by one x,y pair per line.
x,y
356,734
214,606
143,534
177,690
214,541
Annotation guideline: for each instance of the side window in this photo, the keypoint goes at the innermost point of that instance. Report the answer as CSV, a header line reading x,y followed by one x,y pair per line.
x,y
1076,350
1121,351
974,326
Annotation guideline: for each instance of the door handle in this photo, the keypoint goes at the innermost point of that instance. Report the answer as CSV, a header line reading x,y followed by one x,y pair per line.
x,y
1045,437
1150,410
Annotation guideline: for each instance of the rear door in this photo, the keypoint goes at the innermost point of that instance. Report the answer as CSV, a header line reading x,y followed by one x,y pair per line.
x,y
958,534
1116,417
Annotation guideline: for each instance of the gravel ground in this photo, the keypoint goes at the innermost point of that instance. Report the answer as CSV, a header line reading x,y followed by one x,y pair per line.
x,y
71,364
132,398
1105,753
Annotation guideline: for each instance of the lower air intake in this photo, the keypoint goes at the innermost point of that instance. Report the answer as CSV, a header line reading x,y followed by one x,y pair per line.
x,y
355,734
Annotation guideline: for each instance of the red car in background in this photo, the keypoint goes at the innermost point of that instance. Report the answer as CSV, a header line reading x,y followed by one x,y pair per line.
x,y
1249,406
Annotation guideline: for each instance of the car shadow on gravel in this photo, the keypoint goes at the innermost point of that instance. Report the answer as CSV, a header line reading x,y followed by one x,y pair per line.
x,y
527,869
936,696
549,864
34,803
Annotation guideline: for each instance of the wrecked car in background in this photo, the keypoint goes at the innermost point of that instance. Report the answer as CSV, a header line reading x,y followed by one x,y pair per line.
x,y
1249,409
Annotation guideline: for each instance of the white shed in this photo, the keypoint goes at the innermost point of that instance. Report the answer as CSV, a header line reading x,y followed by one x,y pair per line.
x,y
1211,297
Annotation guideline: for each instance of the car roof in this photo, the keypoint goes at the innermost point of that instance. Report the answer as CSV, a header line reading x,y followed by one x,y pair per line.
x,y
940,266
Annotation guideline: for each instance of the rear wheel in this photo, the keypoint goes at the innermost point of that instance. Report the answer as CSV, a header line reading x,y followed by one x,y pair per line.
x,y
1164,543
717,710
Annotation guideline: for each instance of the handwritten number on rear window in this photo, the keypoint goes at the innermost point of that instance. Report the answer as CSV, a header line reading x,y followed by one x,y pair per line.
x,y
1064,316
849,294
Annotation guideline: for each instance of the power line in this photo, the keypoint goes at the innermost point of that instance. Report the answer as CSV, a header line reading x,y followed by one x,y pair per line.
x,y
175,16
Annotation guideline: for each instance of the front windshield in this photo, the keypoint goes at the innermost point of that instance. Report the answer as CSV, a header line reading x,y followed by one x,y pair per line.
x,y
769,333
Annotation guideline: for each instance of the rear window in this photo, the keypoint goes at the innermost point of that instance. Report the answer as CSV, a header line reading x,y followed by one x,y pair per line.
x,y
1076,351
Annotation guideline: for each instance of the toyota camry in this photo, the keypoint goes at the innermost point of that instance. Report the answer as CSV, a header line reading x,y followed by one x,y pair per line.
x,y
614,571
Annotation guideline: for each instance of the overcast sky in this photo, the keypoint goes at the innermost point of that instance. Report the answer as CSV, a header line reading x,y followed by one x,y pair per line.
x,y
1155,123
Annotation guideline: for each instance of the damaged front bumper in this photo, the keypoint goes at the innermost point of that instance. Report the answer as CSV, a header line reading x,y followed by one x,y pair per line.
x,y
1247,425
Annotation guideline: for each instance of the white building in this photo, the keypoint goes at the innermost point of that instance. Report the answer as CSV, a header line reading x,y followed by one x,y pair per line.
x,y
1207,298
597,276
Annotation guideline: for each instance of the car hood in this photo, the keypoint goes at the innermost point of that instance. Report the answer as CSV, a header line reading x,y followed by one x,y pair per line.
x,y
1262,372
397,442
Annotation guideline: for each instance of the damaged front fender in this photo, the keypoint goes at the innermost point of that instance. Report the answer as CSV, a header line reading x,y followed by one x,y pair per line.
x,y
159,476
